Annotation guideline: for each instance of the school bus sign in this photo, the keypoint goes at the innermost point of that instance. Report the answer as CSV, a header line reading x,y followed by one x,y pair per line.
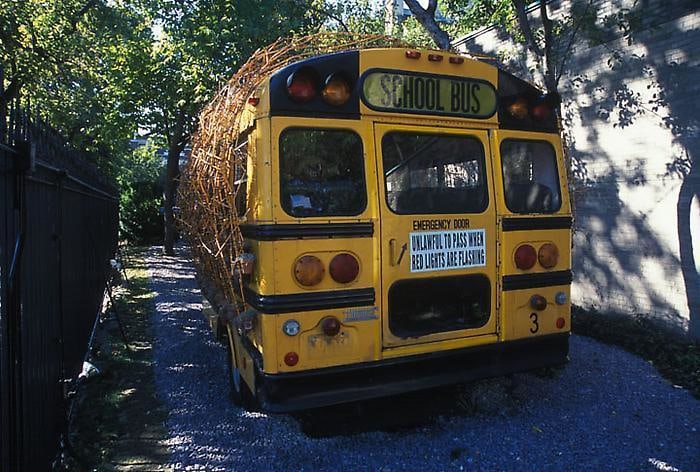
x,y
409,92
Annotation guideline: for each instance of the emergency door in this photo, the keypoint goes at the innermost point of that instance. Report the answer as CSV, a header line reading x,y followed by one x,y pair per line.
x,y
438,236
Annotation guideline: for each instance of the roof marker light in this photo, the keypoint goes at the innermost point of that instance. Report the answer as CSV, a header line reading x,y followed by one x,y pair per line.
x,y
413,54
456,60
435,57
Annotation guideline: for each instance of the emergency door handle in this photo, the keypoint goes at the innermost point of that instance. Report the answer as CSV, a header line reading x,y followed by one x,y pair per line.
x,y
392,252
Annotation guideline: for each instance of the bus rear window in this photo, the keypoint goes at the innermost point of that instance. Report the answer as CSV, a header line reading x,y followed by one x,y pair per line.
x,y
322,173
530,177
427,173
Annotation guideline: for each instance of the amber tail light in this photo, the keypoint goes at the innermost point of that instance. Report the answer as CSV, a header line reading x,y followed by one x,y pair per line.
x,y
308,270
336,91
548,255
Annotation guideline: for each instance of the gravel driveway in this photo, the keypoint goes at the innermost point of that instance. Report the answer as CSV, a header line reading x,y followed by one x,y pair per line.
x,y
607,409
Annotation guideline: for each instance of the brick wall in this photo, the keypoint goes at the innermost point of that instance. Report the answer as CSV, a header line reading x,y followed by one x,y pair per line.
x,y
631,114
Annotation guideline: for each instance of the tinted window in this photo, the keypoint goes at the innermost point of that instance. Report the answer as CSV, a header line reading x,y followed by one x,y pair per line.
x,y
321,173
427,173
530,177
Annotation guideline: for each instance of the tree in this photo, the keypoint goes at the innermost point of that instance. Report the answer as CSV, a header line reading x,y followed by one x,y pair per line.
x,y
48,52
200,44
549,42
426,17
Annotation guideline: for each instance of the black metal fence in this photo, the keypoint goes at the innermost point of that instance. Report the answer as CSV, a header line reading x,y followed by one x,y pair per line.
x,y
58,231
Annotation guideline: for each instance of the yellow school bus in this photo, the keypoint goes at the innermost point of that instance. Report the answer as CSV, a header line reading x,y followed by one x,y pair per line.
x,y
407,225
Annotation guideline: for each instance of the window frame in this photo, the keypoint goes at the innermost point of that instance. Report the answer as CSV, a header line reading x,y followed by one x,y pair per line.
x,y
362,163
483,174
556,168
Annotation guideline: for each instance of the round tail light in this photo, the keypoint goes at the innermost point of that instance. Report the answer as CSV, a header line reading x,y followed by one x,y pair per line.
x,y
308,270
548,255
561,323
302,85
541,111
525,257
330,326
344,268
560,298
336,91
291,359
538,302
519,108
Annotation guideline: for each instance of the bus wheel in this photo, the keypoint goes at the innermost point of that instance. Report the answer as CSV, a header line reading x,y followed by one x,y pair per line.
x,y
240,394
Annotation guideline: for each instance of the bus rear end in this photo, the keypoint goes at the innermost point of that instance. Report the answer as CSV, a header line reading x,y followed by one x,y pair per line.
x,y
409,218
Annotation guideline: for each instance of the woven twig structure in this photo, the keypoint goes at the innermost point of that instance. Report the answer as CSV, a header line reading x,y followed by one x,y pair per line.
x,y
208,193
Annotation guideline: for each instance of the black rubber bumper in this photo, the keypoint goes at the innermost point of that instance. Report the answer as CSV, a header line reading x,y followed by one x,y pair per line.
x,y
322,387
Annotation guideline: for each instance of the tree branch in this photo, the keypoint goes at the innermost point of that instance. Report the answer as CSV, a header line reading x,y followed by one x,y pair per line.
x,y
79,15
524,24
325,12
550,72
566,51
426,17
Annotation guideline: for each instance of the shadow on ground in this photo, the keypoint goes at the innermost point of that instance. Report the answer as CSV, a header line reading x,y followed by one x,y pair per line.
x,y
414,411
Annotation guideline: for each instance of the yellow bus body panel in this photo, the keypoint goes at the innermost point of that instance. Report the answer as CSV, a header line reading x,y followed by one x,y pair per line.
x,y
371,339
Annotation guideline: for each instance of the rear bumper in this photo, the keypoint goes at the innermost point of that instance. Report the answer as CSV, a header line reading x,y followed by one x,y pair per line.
x,y
310,389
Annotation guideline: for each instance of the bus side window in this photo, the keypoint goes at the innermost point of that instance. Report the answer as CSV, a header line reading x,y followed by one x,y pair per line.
x,y
530,178
240,178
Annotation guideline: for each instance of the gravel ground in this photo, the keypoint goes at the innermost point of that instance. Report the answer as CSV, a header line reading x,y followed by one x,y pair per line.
x,y
607,409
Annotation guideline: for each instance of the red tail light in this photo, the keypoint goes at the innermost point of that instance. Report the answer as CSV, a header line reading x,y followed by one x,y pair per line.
x,y
330,326
435,57
541,111
302,85
344,268
291,359
561,323
525,257
456,60
413,54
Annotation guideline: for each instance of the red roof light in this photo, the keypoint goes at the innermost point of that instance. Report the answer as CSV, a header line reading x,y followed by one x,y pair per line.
x,y
302,85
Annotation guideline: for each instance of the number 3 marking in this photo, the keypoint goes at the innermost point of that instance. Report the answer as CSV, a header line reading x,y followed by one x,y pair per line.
x,y
536,326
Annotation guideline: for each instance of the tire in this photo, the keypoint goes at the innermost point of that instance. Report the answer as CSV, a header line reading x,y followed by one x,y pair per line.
x,y
239,392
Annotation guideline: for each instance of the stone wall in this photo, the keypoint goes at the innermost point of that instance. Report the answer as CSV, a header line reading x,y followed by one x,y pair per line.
x,y
631,113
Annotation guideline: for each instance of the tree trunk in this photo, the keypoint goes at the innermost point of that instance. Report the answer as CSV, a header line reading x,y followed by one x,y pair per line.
x,y
175,147
171,176
426,17
690,190
524,23
550,75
